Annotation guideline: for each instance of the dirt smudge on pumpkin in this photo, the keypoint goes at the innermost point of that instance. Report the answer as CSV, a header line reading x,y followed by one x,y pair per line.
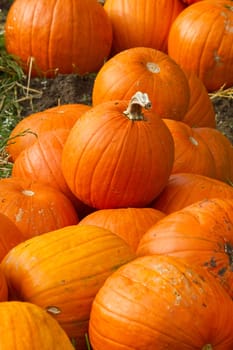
x,y
19,215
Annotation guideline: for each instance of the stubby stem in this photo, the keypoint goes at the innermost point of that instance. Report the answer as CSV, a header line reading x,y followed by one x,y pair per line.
x,y
138,101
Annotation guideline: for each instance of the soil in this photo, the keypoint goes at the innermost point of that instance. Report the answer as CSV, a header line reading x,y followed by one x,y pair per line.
x,y
75,89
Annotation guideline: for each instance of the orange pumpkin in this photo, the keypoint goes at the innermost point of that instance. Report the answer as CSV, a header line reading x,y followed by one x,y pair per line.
x,y
35,208
25,133
3,287
159,302
128,223
118,155
10,235
137,24
147,70
62,39
192,155
61,271
184,189
201,233
201,111
200,41
30,327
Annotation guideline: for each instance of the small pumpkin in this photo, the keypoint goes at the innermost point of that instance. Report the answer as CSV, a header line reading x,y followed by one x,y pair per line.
x,y
62,270
144,69
31,327
52,38
34,207
184,189
201,233
136,24
128,223
118,154
159,302
200,41
25,133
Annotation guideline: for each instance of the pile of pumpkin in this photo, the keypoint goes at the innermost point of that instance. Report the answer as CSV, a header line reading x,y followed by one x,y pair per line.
x,y
117,220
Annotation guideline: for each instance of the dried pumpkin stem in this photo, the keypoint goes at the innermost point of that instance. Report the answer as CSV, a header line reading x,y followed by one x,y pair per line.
x,y
138,101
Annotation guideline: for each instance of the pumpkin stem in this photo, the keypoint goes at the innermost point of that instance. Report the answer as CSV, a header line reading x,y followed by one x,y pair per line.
x,y
207,347
138,101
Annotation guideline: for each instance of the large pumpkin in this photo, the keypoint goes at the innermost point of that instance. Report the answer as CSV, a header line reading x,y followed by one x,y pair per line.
x,y
118,154
159,302
128,223
29,128
57,37
61,271
34,207
200,40
148,70
30,327
201,233
138,24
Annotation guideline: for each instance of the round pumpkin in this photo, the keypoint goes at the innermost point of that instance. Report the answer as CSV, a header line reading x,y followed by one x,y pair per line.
x,y
148,70
10,235
201,233
184,189
192,154
137,24
25,133
128,223
159,302
3,287
201,112
30,327
34,207
200,41
53,38
118,154
61,271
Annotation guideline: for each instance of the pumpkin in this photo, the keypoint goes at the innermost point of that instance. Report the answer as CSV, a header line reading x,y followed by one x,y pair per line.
x,y
144,69
25,133
201,111
128,223
3,287
10,235
221,149
52,38
34,207
118,154
192,155
136,24
159,302
200,41
62,270
184,189
201,233
30,327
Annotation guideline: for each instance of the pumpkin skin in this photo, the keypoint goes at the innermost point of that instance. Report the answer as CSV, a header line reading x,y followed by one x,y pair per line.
x,y
80,44
128,223
159,302
147,70
192,154
110,161
10,235
35,208
3,287
221,149
61,271
31,326
184,189
59,117
201,233
203,32
135,24
201,111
